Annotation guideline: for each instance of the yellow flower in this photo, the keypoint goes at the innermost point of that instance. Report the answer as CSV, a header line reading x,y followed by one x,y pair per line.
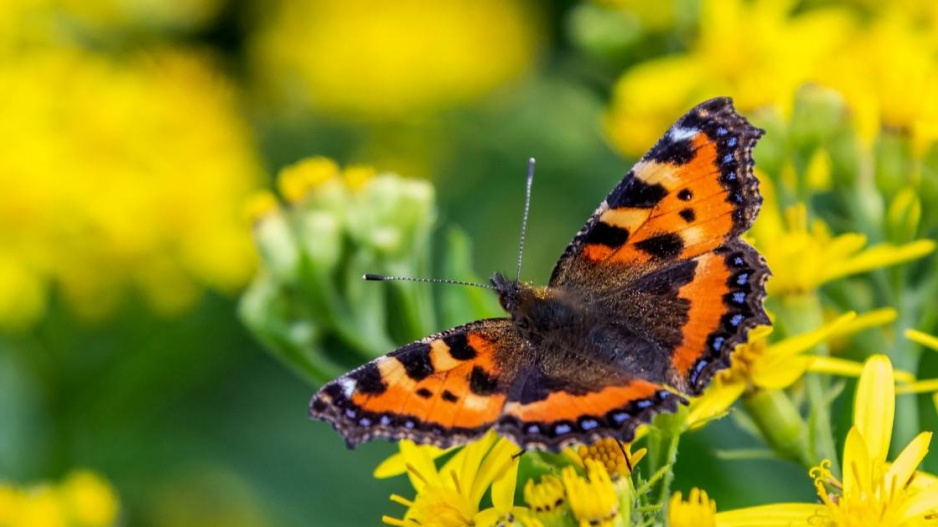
x,y
761,365
701,511
378,59
450,496
617,458
547,500
803,258
124,15
118,176
83,499
888,75
924,386
592,498
698,511
756,52
872,491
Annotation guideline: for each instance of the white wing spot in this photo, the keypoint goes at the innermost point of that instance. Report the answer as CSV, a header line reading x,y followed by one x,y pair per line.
x,y
679,134
348,386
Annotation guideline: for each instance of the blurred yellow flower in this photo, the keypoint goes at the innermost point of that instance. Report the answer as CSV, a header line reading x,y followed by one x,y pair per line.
x,y
888,76
388,59
760,52
803,257
120,175
757,52
83,499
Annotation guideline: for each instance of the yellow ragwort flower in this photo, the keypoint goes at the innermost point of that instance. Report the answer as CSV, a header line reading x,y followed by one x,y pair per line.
x,y
759,364
698,511
757,52
803,257
701,511
924,386
381,60
450,496
120,175
547,500
82,499
873,491
617,457
592,498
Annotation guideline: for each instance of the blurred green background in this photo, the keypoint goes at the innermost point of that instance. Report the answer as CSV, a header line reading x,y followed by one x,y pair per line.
x,y
133,133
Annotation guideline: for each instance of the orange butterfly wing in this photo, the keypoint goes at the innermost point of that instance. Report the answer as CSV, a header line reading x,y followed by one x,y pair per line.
x,y
445,389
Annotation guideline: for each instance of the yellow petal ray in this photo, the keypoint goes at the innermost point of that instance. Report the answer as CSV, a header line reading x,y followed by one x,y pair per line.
x,y
857,464
503,488
390,467
775,515
420,467
806,341
922,338
883,255
714,402
930,385
494,465
923,502
870,319
468,467
875,406
903,468
782,372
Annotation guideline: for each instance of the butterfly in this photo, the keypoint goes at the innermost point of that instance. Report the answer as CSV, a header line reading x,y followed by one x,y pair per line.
x,y
643,307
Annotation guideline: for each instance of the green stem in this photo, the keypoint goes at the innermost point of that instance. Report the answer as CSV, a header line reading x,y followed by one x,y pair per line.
x,y
662,442
780,424
802,314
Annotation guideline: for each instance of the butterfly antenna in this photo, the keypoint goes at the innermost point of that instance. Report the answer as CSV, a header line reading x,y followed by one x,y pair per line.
x,y
524,219
383,278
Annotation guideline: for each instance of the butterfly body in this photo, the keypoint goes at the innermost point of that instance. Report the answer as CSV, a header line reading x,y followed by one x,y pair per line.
x,y
646,304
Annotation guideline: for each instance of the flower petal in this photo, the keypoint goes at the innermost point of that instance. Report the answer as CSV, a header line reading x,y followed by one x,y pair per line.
x,y
775,515
903,468
870,319
714,402
857,464
503,488
883,255
922,502
930,385
922,338
781,372
875,406
806,341
420,467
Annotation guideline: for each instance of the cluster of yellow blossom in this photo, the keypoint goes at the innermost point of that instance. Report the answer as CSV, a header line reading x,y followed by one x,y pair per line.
x,y
119,174
760,52
375,59
82,499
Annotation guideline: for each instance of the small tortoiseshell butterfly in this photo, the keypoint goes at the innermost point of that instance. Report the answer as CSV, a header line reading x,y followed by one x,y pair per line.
x,y
656,290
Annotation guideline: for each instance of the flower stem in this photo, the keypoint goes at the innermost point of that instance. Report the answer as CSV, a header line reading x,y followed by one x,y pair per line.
x,y
780,424
801,314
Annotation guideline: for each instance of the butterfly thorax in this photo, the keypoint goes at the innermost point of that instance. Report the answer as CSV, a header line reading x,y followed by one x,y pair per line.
x,y
536,311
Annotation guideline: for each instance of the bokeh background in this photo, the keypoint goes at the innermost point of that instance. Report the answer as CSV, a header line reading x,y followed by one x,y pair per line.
x,y
136,134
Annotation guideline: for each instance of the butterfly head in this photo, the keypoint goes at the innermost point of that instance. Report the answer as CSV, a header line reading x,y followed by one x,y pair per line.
x,y
508,290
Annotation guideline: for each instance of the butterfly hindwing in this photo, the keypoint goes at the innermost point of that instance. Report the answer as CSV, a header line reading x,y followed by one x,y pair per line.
x,y
693,191
445,389
551,410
